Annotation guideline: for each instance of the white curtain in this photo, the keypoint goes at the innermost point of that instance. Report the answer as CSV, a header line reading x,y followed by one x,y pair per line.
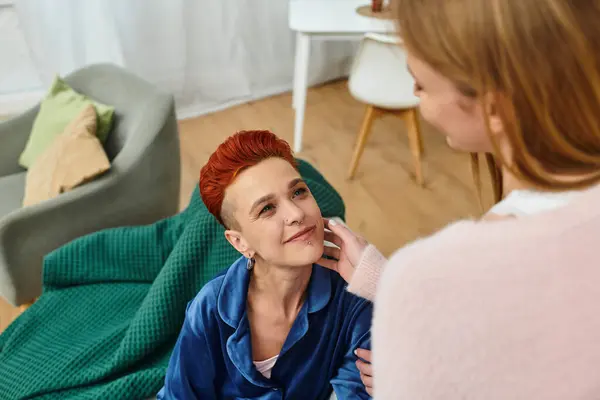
x,y
209,53
19,81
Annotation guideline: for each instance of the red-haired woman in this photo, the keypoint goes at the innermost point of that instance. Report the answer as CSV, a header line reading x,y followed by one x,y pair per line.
x,y
274,324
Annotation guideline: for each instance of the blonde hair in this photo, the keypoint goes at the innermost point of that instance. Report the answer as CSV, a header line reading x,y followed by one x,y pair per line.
x,y
541,61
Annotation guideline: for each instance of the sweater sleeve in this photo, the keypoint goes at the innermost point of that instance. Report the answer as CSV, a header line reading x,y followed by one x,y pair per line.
x,y
368,271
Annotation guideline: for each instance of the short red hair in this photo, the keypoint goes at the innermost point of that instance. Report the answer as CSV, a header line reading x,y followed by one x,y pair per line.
x,y
240,151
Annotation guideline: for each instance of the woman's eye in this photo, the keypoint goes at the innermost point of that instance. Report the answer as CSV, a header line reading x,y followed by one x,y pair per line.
x,y
266,209
299,192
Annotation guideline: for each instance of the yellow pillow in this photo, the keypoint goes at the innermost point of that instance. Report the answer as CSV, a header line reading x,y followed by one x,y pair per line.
x,y
75,157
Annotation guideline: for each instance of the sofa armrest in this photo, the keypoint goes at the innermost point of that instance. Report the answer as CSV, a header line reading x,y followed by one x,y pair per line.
x,y
14,134
27,234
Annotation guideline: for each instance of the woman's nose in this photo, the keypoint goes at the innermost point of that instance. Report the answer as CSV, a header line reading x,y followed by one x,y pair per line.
x,y
293,214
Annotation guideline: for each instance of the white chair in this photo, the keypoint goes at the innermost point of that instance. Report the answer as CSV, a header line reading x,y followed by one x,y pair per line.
x,y
379,78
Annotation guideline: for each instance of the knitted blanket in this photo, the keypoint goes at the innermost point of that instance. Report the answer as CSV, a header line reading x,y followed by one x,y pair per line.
x,y
113,303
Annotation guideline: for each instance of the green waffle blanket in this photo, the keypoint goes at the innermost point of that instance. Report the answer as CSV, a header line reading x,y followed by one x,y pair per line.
x,y
113,303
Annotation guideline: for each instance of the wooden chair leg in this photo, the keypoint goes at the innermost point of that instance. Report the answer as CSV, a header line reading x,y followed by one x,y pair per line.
x,y
411,119
25,306
370,116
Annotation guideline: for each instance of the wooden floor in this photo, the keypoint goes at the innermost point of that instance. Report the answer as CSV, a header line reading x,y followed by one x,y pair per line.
x,y
382,203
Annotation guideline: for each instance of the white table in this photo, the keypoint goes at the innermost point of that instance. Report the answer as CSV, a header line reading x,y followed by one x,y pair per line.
x,y
324,20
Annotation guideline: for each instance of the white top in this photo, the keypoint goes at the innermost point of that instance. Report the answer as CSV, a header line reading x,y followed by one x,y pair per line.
x,y
265,367
334,16
528,202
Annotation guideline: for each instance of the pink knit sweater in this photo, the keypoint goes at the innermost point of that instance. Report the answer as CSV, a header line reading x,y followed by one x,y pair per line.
x,y
503,310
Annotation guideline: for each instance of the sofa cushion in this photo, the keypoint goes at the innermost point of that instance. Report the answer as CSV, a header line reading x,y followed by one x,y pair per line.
x,y
12,188
74,158
60,106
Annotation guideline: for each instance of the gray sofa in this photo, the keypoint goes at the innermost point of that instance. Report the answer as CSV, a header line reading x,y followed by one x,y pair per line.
x,y
141,187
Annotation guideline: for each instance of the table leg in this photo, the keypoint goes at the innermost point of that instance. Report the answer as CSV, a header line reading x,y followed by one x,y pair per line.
x,y
296,71
300,86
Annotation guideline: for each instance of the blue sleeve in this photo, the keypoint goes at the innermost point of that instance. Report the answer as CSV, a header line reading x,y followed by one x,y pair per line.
x,y
347,383
191,372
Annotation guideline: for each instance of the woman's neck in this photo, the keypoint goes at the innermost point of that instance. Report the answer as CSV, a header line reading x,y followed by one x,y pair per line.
x,y
281,289
510,182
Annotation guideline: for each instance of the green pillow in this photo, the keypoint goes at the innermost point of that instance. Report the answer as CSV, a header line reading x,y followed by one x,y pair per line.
x,y
60,106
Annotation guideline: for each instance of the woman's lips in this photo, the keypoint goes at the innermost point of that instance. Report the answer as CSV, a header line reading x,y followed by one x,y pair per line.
x,y
302,235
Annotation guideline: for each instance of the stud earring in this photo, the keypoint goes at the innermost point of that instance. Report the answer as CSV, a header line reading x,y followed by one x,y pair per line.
x,y
250,264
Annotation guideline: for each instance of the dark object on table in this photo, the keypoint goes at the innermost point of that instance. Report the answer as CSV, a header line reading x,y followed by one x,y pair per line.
x,y
376,5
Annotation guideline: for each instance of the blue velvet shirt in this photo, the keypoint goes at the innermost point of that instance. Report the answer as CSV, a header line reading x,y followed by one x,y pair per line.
x,y
213,355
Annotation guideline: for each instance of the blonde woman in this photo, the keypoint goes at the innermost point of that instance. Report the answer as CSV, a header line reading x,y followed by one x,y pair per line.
x,y
507,307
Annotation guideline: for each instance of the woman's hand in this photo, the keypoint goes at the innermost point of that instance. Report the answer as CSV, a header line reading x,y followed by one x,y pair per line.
x,y
366,369
351,248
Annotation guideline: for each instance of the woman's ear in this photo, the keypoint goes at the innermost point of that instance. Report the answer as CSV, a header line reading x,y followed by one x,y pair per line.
x,y
498,110
239,242
492,109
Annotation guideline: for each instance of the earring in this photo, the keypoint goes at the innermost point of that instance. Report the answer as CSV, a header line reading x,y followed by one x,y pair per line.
x,y
250,264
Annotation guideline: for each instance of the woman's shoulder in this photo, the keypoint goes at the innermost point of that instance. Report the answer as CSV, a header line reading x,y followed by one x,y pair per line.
x,y
208,298
341,295
205,303
460,243
548,215
353,313
528,202
451,237
210,291
475,244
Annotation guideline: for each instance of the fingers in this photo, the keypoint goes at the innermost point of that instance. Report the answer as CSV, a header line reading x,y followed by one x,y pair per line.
x,y
366,376
368,382
333,238
338,229
364,368
341,230
364,354
333,252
